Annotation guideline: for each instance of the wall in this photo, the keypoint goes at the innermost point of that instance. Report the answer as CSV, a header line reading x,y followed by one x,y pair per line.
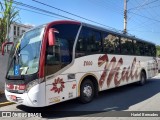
x,y
3,68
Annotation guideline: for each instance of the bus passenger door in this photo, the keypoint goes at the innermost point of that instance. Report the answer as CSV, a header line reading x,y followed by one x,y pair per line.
x,y
60,82
59,86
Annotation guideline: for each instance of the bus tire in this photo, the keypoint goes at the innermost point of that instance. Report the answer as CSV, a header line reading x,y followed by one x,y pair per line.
x,y
142,78
87,91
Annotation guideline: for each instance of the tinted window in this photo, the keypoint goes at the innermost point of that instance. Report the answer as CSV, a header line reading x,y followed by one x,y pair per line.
x,y
152,50
65,38
147,49
60,55
89,42
126,46
111,43
138,48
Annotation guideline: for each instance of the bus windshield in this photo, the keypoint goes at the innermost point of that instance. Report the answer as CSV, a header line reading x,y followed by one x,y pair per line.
x,y
25,54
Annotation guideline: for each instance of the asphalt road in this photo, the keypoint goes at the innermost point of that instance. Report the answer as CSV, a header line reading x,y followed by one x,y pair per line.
x,y
126,98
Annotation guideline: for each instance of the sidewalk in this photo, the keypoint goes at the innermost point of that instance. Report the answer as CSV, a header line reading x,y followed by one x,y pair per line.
x,y
157,77
2,98
3,68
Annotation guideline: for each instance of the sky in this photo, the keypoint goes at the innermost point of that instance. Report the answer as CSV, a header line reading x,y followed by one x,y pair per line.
x,y
143,16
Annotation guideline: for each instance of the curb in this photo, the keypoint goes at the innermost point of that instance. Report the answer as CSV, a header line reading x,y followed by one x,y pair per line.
x,y
1,92
6,103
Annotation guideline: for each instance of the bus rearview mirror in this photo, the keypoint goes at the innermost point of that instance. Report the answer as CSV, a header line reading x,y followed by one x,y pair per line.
x,y
4,45
51,36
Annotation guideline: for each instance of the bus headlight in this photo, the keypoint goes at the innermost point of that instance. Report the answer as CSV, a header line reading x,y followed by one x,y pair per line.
x,y
33,83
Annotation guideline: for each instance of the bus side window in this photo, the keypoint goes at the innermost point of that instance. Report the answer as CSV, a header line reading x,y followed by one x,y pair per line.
x,y
111,43
146,50
95,42
126,46
138,48
81,44
153,50
141,48
64,51
89,42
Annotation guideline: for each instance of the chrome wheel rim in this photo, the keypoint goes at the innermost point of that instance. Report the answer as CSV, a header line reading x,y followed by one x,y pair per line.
x,y
87,91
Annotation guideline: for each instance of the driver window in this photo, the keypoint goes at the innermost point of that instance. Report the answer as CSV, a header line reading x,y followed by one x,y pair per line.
x,y
53,62
53,55
60,55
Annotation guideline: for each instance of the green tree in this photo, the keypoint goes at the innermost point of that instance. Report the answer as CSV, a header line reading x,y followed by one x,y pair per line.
x,y
158,50
9,14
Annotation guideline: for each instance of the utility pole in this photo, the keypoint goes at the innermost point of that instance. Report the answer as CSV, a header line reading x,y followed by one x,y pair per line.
x,y
125,16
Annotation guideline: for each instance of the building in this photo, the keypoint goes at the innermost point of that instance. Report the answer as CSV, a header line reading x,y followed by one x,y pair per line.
x,y
17,29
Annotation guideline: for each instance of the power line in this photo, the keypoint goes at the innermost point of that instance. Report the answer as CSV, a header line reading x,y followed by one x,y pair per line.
x,y
139,25
145,17
152,7
140,6
88,19
59,9
20,8
38,9
144,5
48,12
71,13
145,31
137,8
106,6
143,24
147,10
144,2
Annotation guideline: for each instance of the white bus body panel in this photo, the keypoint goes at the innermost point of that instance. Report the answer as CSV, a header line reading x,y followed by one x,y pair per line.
x,y
35,97
66,85
60,89
95,66
158,60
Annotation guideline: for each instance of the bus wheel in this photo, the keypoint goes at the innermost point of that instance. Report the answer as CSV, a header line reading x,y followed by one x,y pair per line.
x,y
143,78
86,91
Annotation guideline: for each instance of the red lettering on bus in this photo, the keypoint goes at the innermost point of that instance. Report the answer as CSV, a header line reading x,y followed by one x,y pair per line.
x,y
112,70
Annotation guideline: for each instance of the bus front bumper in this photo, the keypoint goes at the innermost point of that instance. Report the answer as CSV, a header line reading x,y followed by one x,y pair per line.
x,y
35,97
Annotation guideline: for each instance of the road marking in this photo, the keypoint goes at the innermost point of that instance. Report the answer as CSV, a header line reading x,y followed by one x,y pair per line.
x,y
5,103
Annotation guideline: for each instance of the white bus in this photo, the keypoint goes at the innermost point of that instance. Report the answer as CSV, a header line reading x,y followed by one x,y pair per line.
x,y
64,60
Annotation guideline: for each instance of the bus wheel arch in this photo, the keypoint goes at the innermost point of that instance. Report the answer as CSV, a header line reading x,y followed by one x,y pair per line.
x,y
89,81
